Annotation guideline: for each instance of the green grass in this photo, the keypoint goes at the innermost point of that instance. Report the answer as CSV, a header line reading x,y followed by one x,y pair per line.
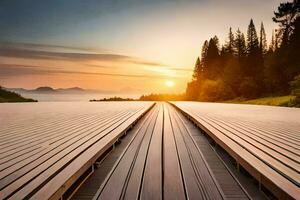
x,y
271,101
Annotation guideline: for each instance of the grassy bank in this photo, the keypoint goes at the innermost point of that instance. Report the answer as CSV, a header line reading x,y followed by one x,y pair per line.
x,y
271,101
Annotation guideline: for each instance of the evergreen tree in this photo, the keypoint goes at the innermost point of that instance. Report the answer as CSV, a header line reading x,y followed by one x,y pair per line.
x,y
230,43
204,54
223,51
217,42
263,40
212,49
193,87
252,40
240,48
223,56
255,63
272,43
277,40
283,64
285,16
197,71
293,52
212,65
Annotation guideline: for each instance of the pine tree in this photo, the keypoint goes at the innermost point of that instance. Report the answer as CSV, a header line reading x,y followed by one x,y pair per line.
x,y
240,45
277,39
213,49
212,62
204,52
272,43
216,41
263,40
229,45
223,51
255,61
197,71
252,40
286,14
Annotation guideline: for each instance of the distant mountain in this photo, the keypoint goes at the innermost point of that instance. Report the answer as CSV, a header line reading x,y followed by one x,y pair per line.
x,y
44,90
71,90
50,90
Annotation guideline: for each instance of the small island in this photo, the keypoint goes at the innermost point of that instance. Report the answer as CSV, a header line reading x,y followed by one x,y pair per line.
x,y
10,97
113,99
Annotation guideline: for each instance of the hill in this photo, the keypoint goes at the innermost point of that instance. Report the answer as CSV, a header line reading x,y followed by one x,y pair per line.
x,y
44,89
47,89
7,96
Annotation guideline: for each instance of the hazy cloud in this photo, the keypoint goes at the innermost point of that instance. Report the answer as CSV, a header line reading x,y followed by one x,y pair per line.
x,y
36,51
37,54
21,70
47,47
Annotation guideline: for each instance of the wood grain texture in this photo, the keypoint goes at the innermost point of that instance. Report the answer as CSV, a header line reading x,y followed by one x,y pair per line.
x,y
45,147
264,138
162,162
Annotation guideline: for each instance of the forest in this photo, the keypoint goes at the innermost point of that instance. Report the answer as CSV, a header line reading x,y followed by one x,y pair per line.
x,y
247,65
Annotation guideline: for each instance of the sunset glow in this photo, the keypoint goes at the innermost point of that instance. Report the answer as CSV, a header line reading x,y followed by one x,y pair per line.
x,y
115,48
169,83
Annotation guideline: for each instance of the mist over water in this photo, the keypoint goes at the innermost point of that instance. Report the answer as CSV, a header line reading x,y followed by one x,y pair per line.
x,y
74,97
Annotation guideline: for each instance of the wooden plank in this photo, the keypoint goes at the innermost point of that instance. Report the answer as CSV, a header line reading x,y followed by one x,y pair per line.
x,y
56,135
173,186
51,163
199,181
34,132
54,125
112,188
289,173
246,153
152,180
43,137
58,184
274,136
264,136
28,179
268,146
227,182
55,153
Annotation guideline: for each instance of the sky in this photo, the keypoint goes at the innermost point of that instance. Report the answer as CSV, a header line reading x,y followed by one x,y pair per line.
x,y
133,46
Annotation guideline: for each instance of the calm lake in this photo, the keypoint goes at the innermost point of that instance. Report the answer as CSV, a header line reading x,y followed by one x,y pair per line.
x,y
74,97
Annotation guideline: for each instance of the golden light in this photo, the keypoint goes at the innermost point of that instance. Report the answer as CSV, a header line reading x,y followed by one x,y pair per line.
x,y
169,83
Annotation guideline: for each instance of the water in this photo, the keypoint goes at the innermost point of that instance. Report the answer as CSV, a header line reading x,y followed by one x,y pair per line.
x,y
74,97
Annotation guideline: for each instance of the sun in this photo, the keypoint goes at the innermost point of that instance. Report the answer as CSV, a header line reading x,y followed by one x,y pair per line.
x,y
169,83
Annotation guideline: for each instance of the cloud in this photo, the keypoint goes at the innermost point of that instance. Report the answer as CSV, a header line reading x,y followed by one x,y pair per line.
x,y
180,69
82,62
47,47
7,70
142,62
36,54
52,52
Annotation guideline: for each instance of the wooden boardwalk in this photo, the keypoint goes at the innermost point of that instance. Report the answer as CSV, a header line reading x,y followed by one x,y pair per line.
x,y
46,147
163,161
264,140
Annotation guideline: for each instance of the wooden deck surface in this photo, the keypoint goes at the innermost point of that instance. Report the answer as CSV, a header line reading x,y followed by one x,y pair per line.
x,y
263,139
163,161
45,147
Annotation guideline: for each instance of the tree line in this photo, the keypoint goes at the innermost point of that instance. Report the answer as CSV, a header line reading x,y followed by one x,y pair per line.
x,y
246,66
